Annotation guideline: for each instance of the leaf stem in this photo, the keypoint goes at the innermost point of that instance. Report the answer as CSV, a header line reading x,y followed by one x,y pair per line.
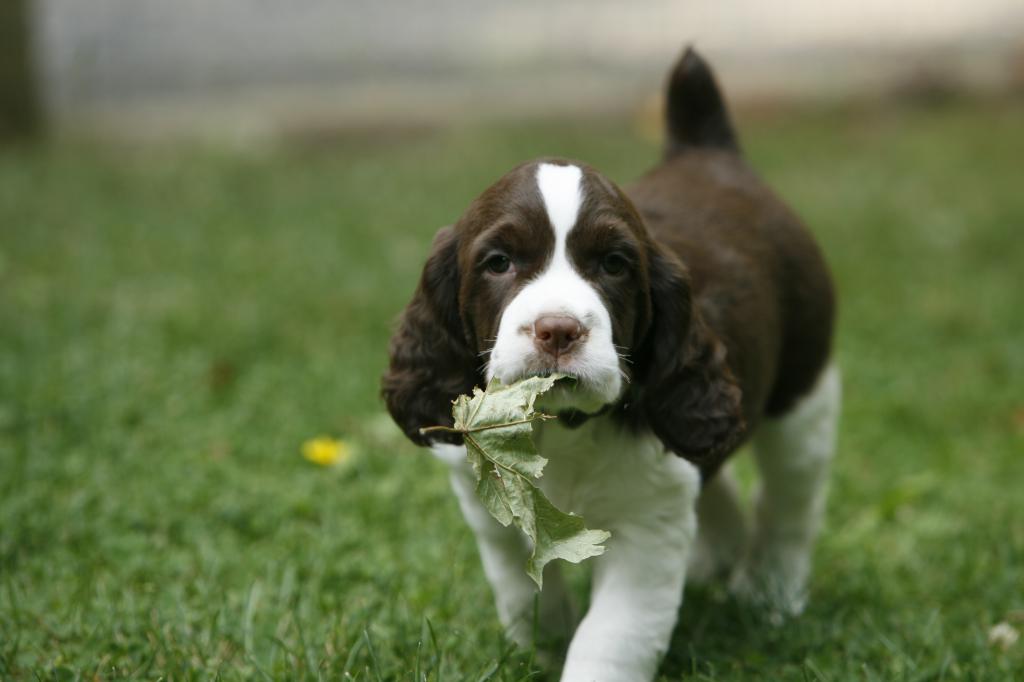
x,y
536,417
446,429
450,429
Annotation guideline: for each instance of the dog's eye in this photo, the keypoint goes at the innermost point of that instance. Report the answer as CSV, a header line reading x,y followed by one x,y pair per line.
x,y
614,264
498,263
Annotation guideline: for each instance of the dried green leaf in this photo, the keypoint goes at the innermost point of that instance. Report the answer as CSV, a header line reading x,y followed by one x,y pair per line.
x,y
497,427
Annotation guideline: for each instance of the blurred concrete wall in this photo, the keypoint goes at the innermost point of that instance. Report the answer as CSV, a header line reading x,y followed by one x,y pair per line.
x,y
252,66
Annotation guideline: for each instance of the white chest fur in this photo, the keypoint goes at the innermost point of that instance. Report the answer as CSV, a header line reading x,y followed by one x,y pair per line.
x,y
609,476
617,481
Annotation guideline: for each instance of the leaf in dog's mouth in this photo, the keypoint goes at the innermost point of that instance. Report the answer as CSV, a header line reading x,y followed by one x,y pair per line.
x,y
497,428
562,378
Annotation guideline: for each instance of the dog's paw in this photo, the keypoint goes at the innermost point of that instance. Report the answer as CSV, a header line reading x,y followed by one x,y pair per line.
x,y
712,561
774,580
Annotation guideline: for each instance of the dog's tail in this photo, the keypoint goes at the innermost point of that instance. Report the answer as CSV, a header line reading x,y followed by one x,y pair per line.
x,y
695,112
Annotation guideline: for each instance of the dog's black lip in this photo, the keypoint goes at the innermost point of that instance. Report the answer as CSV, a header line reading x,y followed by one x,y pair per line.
x,y
573,418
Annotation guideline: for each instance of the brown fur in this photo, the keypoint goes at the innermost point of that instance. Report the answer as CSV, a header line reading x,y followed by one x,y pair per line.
x,y
725,310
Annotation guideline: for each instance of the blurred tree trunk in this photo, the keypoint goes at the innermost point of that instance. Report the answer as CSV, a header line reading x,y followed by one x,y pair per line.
x,y
20,114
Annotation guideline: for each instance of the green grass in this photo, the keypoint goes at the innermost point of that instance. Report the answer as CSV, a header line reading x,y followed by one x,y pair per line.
x,y
174,323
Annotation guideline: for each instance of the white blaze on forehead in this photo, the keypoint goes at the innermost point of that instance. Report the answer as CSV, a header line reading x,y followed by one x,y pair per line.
x,y
559,290
560,188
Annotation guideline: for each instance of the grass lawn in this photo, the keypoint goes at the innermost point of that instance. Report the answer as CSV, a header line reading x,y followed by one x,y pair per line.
x,y
176,322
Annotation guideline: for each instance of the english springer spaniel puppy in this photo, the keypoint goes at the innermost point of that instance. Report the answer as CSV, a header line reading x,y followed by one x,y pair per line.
x,y
695,312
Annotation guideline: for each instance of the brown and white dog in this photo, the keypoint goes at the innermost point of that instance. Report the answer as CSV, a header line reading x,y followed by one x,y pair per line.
x,y
696,312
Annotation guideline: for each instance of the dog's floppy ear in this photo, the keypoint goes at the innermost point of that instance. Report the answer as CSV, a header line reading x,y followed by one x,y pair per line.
x,y
688,395
431,361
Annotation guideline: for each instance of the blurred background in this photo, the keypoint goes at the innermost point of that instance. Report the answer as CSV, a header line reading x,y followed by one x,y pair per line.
x,y
250,67
212,212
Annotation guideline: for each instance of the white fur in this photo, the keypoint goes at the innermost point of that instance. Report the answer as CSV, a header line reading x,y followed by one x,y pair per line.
x,y
562,191
793,455
648,498
623,483
559,290
628,484
503,553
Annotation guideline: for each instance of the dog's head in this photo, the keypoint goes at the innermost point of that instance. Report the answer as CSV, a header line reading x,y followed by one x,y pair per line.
x,y
552,270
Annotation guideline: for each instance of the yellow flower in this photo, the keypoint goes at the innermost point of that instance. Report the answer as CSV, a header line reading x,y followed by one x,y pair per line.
x,y
326,451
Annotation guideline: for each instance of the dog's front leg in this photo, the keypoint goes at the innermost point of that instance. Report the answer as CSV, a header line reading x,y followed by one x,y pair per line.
x,y
503,553
636,594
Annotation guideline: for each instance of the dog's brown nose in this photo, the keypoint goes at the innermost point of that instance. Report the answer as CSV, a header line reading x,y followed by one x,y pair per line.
x,y
556,334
